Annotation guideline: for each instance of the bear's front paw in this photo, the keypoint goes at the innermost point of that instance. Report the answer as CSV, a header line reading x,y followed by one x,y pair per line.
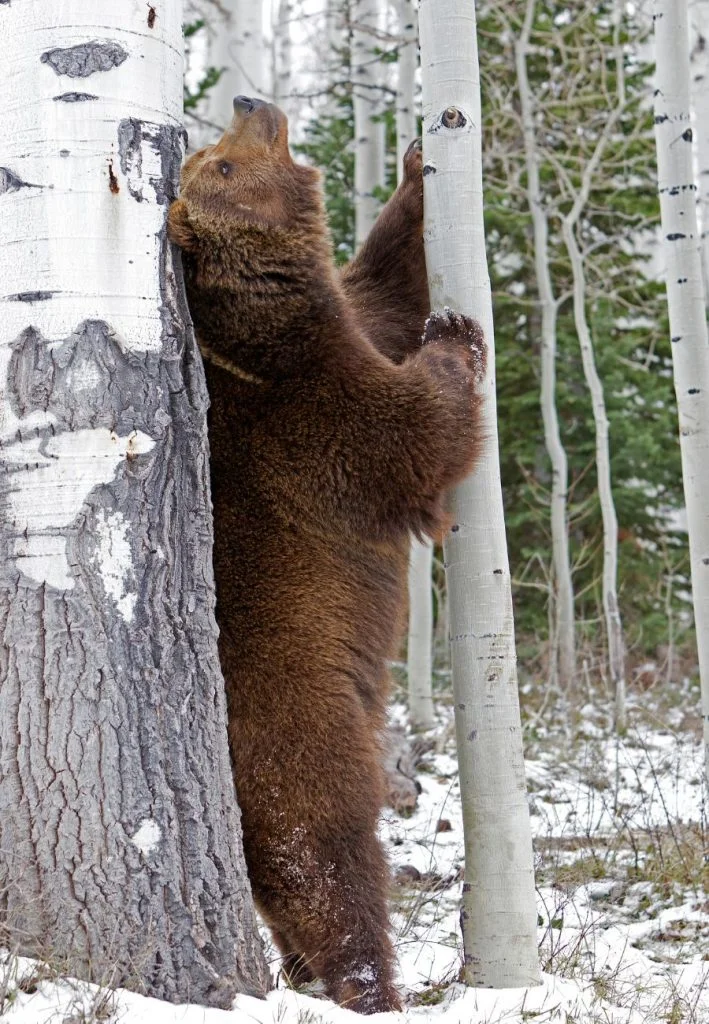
x,y
413,162
179,228
451,328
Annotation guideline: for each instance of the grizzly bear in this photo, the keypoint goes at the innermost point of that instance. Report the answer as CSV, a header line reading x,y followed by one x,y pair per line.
x,y
336,427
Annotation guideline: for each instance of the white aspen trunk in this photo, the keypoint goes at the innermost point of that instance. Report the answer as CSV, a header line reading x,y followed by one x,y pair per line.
x,y
283,53
499,912
686,302
611,609
120,843
563,646
370,136
420,640
700,108
239,49
406,122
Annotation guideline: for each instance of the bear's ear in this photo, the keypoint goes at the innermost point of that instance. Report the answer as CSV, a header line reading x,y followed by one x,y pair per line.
x,y
179,228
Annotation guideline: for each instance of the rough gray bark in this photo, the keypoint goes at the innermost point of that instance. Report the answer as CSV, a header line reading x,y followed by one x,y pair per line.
x,y
120,853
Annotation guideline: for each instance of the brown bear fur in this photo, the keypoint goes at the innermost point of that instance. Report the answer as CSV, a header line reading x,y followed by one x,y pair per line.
x,y
334,434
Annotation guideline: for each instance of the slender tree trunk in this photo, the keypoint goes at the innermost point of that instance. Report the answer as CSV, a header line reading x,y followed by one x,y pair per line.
x,y
563,647
686,302
120,850
406,121
419,647
700,105
499,910
420,639
370,149
239,49
611,609
283,52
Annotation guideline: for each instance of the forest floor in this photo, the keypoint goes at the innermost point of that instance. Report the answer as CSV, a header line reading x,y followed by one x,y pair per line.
x,y
622,860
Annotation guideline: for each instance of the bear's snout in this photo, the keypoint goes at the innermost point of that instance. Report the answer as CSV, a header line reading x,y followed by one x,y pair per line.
x,y
247,104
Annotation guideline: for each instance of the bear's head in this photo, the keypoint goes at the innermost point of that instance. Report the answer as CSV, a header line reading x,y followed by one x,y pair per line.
x,y
249,176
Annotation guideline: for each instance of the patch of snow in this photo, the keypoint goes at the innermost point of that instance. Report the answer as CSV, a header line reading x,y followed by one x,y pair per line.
x,y
148,837
114,560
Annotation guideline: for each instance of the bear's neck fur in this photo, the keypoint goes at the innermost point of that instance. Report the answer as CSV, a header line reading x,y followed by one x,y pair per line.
x,y
265,298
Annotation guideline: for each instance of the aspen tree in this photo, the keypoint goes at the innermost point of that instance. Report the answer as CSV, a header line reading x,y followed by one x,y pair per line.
x,y
686,303
283,57
700,128
420,635
499,911
569,227
120,849
239,50
366,28
406,121
563,654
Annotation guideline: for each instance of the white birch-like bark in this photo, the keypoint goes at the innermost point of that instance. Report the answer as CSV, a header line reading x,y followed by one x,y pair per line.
x,y
239,49
569,223
120,851
700,121
370,135
563,646
611,610
406,122
420,639
283,57
686,302
499,912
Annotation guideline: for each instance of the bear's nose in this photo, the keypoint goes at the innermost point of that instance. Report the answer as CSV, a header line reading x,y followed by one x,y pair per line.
x,y
246,104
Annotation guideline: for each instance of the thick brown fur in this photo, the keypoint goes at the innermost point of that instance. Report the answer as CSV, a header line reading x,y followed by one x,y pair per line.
x,y
335,432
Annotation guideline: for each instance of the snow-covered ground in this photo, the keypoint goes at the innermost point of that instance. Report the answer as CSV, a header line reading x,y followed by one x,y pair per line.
x,y
622,865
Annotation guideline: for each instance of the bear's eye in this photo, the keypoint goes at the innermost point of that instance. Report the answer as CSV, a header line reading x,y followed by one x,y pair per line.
x,y
225,168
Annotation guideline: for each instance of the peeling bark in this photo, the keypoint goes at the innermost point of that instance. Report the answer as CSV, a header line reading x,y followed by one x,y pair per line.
x,y
120,849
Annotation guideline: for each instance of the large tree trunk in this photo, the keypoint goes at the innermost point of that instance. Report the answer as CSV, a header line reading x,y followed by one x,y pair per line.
x,y
499,909
686,302
120,849
563,648
370,149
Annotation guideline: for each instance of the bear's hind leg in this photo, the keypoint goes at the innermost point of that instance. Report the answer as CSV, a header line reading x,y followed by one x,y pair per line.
x,y
331,901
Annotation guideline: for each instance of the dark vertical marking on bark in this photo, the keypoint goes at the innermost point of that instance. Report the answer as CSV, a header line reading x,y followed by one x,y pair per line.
x,y
132,136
